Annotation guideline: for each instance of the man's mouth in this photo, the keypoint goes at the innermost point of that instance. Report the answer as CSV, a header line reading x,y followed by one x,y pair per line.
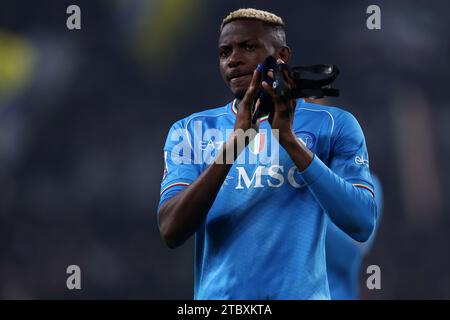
x,y
239,77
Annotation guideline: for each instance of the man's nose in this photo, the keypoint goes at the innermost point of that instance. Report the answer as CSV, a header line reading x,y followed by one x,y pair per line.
x,y
235,59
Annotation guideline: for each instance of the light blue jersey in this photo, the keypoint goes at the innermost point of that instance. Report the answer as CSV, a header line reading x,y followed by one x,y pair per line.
x,y
345,255
264,236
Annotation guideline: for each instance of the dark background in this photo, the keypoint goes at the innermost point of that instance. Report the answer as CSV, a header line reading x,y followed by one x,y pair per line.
x,y
84,116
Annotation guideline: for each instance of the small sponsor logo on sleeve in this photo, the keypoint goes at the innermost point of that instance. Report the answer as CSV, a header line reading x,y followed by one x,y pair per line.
x,y
361,161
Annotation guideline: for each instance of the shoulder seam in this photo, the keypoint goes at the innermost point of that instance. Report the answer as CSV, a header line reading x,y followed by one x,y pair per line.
x,y
328,112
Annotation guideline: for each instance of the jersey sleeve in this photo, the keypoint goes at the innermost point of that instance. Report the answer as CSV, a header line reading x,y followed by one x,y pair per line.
x,y
349,158
344,187
379,198
180,169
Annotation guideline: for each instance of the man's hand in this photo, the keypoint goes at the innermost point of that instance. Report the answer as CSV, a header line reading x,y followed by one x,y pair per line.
x,y
283,116
282,119
245,108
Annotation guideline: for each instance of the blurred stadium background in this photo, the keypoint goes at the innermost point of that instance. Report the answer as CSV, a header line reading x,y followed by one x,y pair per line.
x,y
84,115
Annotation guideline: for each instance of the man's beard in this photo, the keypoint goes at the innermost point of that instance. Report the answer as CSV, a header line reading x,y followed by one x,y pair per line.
x,y
240,94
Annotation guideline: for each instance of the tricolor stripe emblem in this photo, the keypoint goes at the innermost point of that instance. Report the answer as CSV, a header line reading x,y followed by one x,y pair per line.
x,y
174,185
258,143
359,185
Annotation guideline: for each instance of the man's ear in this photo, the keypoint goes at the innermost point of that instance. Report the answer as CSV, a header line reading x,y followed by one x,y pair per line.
x,y
284,54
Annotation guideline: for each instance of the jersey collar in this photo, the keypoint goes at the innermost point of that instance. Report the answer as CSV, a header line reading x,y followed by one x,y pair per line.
x,y
234,110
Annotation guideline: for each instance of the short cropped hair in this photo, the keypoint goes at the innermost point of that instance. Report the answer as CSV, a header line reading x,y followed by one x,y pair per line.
x,y
269,19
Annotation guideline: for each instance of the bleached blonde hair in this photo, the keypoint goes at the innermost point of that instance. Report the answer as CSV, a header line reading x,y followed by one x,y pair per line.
x,y
268,18
250,13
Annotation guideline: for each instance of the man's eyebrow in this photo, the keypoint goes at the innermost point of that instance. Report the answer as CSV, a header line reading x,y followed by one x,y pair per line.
x,y
226,45
248,40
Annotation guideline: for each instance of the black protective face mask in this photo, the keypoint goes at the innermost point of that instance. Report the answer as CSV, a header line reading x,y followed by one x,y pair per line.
x,y
310,82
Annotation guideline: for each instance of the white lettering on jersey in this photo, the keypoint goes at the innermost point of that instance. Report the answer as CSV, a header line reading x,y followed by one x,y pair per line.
x,y
274,172
256,175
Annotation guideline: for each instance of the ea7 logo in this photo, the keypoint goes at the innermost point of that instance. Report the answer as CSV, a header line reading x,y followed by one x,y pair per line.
x,y
361,161
210,144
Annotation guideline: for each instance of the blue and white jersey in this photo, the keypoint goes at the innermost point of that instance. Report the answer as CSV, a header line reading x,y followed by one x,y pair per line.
x,y
264,236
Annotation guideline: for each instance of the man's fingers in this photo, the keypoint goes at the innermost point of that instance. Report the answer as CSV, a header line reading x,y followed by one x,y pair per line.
x,y
288,79
250,94
268,88
254,82
286,75
255,77
257,104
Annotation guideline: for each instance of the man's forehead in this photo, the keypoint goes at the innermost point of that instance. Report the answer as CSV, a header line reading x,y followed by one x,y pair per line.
x,y
240,30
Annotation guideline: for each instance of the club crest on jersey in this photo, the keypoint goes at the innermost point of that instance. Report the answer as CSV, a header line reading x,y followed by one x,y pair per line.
x,y
258,143
307,138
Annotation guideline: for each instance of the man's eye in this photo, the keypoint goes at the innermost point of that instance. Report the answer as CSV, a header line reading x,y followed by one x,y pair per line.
x,y
224,54
249,47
